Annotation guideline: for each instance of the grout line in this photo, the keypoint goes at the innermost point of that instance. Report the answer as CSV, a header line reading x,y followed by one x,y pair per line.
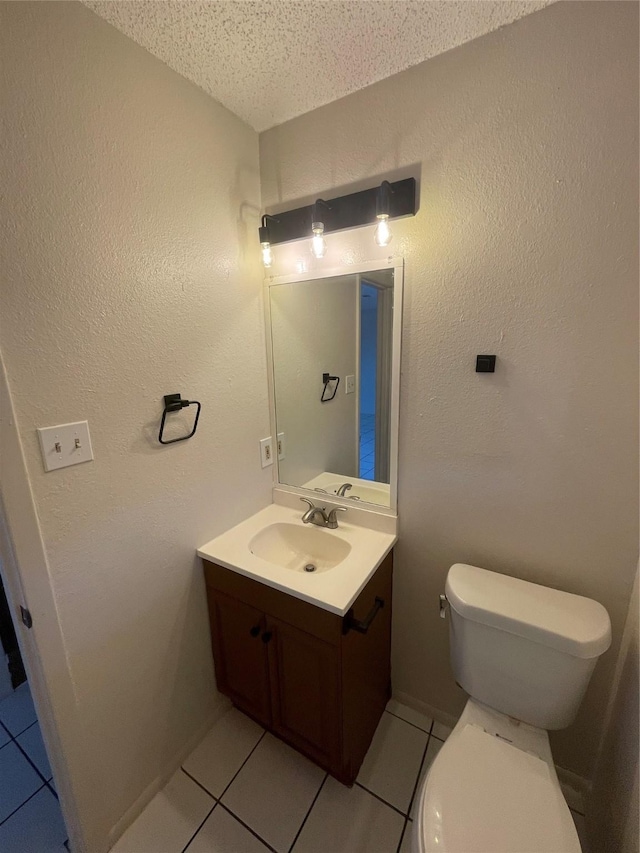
x,y
402,834
427,732
52,789
395,808
248,828
208,815
415,787
199,784
242,765
22,804
217,799
23,751
293,843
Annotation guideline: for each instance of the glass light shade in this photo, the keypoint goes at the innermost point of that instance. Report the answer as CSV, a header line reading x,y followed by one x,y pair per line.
x,y
318,243
267,255
382,234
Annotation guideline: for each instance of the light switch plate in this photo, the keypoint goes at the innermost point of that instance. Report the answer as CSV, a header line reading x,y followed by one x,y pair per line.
x,y
350,384
65,444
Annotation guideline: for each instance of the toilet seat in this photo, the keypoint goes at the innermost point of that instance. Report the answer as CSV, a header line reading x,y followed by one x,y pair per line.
x,y
484,795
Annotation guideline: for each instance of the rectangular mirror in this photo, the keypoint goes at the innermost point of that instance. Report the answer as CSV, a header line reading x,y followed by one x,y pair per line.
x,y
335,356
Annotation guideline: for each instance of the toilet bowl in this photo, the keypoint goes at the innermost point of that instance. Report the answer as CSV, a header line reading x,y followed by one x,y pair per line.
x,y
493,788
525,654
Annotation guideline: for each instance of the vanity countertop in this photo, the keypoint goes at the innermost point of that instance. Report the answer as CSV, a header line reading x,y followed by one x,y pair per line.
x,y
334,589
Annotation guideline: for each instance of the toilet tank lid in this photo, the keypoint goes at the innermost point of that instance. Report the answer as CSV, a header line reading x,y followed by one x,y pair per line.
x,y
570,623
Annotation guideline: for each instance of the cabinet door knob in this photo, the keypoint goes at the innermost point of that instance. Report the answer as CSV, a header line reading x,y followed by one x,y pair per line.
x,y
266,636
255,631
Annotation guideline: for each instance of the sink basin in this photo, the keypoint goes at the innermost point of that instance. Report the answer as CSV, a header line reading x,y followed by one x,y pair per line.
x,y
293,547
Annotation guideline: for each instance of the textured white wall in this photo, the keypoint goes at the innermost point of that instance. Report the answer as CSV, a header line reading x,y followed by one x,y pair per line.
x,y
130,270
313,331
525,143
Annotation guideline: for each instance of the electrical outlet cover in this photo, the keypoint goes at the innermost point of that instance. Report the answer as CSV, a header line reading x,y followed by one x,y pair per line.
x,y
350,384
281,446
266,452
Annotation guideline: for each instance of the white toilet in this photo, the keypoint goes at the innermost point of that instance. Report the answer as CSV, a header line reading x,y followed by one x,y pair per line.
x,y
525,654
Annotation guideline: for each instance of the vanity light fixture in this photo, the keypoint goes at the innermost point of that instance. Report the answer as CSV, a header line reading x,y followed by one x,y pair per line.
x,y
382,235
265,240
375,206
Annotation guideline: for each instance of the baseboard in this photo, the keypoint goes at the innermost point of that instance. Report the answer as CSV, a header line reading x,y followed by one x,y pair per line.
x,y
162,778
575,788
429,710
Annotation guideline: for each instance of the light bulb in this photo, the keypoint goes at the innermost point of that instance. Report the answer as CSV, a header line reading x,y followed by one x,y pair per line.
x,y
318,243
382,235
267,254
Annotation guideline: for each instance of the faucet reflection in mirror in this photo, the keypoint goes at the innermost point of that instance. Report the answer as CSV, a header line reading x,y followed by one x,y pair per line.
x,y
366,207
343,443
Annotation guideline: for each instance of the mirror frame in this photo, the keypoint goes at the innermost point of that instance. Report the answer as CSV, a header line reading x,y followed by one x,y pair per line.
x,y
397,264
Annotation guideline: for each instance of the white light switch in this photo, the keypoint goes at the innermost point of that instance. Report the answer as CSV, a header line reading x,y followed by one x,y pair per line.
x,y
65,444
351,384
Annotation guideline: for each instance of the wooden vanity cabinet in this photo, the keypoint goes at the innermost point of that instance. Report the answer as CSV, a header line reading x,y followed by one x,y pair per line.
x,y
303,673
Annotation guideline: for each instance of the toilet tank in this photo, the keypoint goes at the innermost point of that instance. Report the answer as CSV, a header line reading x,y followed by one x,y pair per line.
x,y
524,649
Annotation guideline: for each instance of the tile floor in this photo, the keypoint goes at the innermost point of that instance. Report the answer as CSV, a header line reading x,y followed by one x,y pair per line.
x,y
367,446
244,791
30,816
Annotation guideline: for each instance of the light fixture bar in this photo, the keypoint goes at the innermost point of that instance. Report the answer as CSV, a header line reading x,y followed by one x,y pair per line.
x,y
347,211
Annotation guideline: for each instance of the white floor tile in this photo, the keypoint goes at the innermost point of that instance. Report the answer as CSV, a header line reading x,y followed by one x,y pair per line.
x,y
581,828
17,711
18,779
273,792
37,826
32,743
405,847
441,731
349,820
170,819
222,833
216,760
410,715
391,765
432,750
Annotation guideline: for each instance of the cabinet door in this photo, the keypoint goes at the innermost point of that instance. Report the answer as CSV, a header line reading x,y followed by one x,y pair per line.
x,y
240,654
305,691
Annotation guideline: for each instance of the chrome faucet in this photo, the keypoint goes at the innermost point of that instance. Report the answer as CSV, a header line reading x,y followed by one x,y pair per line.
x,y
344,488
319,516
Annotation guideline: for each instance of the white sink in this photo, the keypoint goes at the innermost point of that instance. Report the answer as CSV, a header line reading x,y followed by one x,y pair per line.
x,y
294,547
274,546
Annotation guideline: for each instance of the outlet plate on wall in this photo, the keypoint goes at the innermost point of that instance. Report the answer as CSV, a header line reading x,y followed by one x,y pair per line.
x,y
65,444
350,383
266,452
281,446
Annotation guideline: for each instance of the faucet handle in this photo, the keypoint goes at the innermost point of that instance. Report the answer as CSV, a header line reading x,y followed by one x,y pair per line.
x,y
332,520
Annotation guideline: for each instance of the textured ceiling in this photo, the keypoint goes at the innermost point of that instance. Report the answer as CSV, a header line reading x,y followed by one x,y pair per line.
x,y
271,60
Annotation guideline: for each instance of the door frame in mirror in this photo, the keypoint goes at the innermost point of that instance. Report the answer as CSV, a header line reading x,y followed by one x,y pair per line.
x,y
396,263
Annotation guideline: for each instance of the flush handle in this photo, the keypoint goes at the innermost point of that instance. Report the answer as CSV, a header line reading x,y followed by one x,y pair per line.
x,y
443,606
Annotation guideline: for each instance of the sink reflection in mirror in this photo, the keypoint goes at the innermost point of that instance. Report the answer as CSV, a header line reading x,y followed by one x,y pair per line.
x,y
332,347
295,547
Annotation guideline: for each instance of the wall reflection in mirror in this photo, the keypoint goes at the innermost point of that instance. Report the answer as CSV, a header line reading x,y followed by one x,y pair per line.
x,y
332,341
